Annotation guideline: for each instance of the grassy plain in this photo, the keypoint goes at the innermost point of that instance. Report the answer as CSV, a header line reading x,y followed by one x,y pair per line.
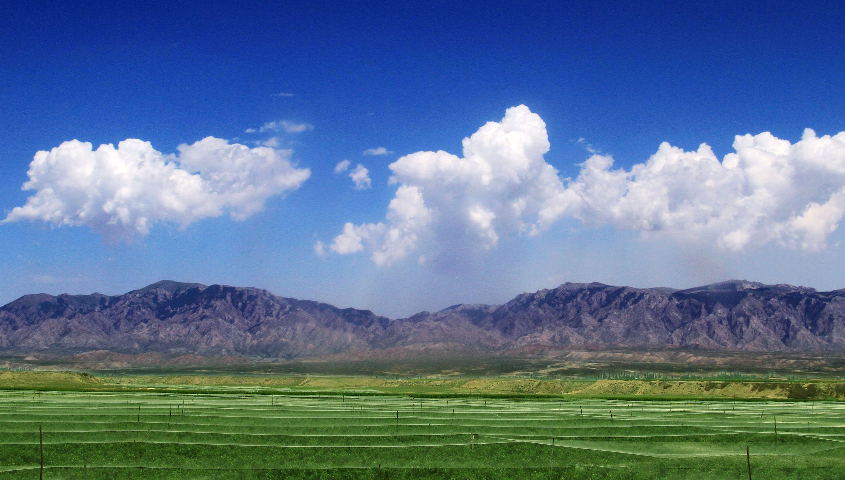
x,y
261,426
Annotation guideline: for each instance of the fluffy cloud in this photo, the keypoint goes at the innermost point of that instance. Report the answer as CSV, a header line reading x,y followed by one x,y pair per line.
x,y
376,151
342,166
120,192
361,177
407,221
500,185
767,191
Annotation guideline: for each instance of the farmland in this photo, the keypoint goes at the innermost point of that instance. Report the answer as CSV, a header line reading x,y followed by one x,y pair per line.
x,y
245,431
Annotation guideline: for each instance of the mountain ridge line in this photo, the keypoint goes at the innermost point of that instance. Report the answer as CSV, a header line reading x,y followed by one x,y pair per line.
x,y
191,318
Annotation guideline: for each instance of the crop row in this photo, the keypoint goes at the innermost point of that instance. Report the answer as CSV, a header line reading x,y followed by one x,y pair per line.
x,y
114,436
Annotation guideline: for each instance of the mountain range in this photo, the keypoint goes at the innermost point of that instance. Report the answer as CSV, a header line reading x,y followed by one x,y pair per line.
x,y
192,319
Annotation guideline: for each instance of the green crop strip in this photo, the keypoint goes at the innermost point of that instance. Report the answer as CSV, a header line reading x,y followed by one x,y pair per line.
x,y
117,435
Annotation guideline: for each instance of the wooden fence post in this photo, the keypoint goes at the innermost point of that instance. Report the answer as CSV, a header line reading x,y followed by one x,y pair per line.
x,y
748,459
41,443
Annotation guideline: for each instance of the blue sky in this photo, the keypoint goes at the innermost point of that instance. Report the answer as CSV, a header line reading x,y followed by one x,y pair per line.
x,y
295,88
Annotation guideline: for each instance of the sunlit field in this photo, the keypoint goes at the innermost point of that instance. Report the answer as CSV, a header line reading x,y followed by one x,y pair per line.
x,y
115,435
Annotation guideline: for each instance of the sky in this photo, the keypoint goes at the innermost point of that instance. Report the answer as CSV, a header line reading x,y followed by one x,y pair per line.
x,y
409,156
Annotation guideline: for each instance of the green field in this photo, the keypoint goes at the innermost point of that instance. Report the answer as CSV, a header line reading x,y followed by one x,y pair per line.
x,y
255,432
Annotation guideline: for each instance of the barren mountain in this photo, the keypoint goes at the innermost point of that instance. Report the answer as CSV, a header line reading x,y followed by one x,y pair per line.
x,y
181,318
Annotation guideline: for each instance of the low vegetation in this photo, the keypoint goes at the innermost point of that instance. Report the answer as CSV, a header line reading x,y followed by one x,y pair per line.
x,y
353,427
428,387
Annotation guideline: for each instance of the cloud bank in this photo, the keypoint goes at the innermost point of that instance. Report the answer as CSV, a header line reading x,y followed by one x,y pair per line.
x,y
122,192
768,191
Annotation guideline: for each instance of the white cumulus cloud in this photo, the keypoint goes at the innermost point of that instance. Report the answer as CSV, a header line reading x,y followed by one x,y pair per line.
x,y
120,192
768,191
499,186
360,177
407,220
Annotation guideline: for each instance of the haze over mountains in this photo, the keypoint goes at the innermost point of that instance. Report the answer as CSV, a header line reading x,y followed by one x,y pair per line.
x,y
185,318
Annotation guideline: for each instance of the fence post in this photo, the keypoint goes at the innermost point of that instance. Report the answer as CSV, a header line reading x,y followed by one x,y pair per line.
x,y
41,443
748,459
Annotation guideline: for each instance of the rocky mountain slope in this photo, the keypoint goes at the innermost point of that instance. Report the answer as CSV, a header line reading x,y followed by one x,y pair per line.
x,y
181,318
